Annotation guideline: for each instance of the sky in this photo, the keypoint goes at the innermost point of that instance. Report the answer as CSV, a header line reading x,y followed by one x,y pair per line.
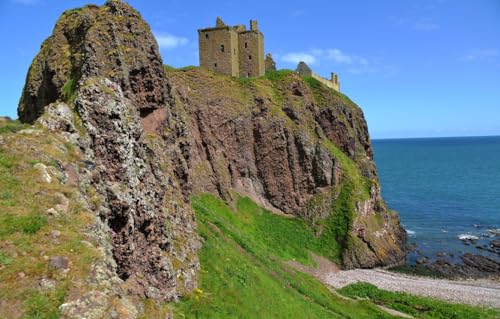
x,y
417,68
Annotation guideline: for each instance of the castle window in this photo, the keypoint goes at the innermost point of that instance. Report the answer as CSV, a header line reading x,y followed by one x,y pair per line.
x,y
234,51
249,57
206,35
222,48
246,45
215,65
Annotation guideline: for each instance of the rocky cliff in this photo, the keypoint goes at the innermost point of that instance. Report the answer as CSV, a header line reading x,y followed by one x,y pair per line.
x,y
99,81
294,146
149,138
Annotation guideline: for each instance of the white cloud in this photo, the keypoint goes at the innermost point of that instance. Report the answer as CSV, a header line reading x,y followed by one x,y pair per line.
x,y
475,55
296,57
339,57
168,41
335,58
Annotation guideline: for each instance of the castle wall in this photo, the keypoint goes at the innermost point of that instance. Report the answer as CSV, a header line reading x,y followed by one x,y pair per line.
x,y
304,70
326,82
219,50
251,58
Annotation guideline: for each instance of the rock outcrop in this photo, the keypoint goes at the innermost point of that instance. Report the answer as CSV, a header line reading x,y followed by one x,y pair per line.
x,y
103,65
294,146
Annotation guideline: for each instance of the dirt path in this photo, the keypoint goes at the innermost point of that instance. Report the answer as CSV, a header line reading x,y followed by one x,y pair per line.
x,y
474,292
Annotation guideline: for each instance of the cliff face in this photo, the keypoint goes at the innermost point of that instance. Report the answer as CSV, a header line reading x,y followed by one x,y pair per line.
x,y
293,145
99,81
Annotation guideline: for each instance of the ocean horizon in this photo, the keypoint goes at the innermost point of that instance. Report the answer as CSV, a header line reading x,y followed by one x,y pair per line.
x,y
446,190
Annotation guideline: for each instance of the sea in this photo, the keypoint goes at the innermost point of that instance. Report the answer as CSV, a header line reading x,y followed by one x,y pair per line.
x,y
447,192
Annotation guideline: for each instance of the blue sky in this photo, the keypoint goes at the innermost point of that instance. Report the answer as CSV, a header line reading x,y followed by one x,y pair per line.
x,y
418,68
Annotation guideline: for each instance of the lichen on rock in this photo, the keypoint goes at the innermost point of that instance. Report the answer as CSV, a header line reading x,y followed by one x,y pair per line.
x,y
99,81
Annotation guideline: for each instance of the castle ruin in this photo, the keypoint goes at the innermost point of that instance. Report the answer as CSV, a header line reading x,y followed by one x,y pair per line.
x,y
232,50
236,51
304,70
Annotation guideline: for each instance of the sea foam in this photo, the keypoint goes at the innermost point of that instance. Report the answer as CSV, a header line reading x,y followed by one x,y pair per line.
x,y
467,237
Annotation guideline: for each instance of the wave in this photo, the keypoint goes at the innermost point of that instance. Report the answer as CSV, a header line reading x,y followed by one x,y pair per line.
x,y
410,233
467,237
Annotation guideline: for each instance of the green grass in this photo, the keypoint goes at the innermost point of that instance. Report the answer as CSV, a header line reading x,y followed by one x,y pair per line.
x,y
24,225
69,90
419,307
44,305
28,224
244,273
4,259
243,270
278,75
10,126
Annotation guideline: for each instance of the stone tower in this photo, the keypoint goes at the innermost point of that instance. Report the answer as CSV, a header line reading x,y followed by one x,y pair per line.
x,y
232,50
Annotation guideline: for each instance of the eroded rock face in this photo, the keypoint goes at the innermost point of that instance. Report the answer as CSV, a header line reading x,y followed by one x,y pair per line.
x,y
111,41
99,81
273,140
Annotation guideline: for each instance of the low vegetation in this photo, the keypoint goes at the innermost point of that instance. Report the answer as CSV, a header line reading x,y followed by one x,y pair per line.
x,y
29,236
244,274
419,307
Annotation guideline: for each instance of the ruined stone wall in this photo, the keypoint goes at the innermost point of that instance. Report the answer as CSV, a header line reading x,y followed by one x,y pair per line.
x,y
329,83
219,50
251,57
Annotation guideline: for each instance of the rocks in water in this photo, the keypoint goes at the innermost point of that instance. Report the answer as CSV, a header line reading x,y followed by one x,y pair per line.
x,y
494,232
422,260
481,263
441,254
472,266
495,243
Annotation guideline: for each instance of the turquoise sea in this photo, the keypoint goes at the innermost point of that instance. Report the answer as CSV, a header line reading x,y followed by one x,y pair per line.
x,y
444,189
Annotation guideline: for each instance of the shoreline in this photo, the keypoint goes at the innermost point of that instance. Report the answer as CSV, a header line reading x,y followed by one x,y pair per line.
x,y
477,292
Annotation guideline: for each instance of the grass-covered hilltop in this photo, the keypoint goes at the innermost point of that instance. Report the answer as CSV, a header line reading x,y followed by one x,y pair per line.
x,y
130,189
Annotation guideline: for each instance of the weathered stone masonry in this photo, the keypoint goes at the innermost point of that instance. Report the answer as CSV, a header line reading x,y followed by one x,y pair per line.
x,y
232,50
304,70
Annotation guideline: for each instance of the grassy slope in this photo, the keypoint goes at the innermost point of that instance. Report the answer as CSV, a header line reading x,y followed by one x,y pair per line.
x,y
244,274
26,243
243,271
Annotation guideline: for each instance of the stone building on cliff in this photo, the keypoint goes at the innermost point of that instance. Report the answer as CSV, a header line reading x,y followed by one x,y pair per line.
x,y
304,70
232,50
